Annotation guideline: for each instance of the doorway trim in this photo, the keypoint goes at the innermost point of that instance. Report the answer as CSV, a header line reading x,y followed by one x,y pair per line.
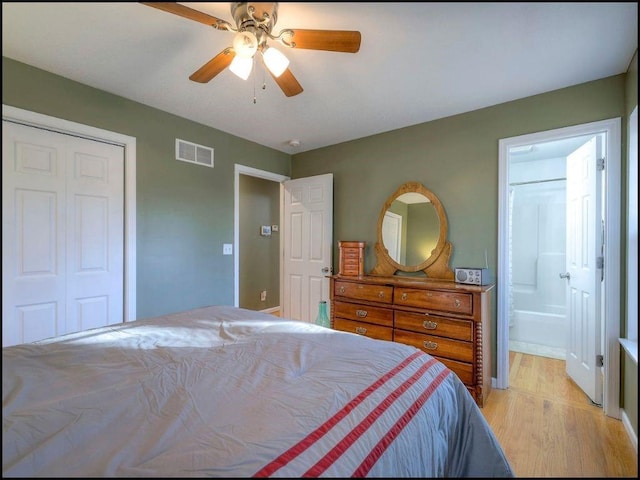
x,y
54,124
612,294
252,172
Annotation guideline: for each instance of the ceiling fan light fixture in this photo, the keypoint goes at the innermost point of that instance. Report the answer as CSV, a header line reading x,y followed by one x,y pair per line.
x,y
245,44
241,66
275,60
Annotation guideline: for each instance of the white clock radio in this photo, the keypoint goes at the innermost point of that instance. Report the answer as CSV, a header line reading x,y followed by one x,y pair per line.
x,y
473,276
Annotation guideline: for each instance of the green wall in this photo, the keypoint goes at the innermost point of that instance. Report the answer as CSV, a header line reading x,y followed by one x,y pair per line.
x,y
456,158
184,211
260,260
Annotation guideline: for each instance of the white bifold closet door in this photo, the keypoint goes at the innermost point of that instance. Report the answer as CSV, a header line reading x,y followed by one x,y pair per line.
x,y
62,233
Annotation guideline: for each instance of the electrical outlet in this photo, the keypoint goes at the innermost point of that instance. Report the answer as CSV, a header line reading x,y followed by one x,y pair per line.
x,y
263,295
227,249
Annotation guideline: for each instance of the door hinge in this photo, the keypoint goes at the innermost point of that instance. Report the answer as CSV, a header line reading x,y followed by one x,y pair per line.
x,y
600,164
599,361
600,262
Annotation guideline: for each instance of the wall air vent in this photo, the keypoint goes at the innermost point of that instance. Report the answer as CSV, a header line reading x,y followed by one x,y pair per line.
x,y
193,153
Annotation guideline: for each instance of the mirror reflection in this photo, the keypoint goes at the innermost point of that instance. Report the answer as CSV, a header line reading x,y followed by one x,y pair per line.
x,y
410,229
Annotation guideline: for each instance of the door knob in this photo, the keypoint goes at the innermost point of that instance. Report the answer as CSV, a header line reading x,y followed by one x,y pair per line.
x,y
565,275
326,270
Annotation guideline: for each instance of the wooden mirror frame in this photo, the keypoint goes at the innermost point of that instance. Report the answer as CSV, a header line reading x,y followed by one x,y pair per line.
x,y
437,265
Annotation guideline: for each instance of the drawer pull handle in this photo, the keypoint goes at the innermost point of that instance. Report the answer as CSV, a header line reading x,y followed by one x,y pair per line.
x,y
430,345
430,325
456,302
381,294
361,330
404,296
341,289
361,313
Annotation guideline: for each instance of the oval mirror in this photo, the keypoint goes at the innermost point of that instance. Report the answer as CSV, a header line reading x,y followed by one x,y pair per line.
x,y
412,234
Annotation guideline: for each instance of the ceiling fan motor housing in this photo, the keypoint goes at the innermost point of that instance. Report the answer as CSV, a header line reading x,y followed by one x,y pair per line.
x,y
255,17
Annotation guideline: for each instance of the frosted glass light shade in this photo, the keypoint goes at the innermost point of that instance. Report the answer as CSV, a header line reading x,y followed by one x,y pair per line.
x,y
245,44
241,66
275,61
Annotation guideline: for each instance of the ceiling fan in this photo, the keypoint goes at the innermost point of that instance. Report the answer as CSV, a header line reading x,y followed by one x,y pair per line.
x,y
254,23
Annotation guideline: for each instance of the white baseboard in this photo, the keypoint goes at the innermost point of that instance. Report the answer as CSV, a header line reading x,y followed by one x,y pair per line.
x,y
633,436
271,310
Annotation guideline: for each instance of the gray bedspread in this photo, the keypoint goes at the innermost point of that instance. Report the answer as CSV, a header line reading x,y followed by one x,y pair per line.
x,y
228,392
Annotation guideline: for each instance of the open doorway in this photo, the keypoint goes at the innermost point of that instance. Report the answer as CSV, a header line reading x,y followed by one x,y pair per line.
x,y
538,320
305,242
532,251
239,220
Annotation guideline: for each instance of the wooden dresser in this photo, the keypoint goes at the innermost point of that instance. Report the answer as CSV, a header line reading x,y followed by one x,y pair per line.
x,y
448,320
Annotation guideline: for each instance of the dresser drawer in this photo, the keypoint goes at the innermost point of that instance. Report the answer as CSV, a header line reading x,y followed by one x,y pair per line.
x,y
433,325
434,300
363,291
464,371
436,346
350,267
350,262
351,254
364,313
367,329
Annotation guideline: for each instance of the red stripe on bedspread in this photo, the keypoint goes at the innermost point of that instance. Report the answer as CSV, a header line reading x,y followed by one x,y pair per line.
x,y
314,436
385,441
359,430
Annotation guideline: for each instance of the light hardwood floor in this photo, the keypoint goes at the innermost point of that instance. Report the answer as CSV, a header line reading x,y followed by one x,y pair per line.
x,y
549,428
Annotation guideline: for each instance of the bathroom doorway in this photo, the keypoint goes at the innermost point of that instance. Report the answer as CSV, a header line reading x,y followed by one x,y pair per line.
x,y
538,322
534,314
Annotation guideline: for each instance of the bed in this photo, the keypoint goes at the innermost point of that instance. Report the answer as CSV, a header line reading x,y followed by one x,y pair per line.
x,y
229,392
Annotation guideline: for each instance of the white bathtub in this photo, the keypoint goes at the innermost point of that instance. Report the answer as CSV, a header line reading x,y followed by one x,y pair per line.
x,y
546,329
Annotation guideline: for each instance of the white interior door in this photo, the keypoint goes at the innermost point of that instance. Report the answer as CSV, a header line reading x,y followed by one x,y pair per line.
x,y
391,232
307,249
63,234
584,275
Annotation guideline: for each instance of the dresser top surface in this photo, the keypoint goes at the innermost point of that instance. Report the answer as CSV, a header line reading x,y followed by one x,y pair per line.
x,y
414,282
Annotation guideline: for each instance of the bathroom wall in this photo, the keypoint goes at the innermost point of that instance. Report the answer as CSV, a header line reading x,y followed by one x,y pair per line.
x,y
538,322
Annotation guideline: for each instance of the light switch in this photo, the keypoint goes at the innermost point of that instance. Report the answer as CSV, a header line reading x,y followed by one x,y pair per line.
x,y
227,249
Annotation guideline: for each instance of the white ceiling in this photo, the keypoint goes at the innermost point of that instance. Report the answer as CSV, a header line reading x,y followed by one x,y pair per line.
x,y
417,62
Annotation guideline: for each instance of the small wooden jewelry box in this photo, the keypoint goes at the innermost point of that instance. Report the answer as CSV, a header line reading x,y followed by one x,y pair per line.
x,y
351,258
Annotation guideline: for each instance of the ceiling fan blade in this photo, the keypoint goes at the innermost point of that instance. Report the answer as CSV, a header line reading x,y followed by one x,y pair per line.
x,y
347,41
287,82
214,66
189,13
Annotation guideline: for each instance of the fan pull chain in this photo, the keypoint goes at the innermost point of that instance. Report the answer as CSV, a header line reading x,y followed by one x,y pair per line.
x,y
264,80
254,80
